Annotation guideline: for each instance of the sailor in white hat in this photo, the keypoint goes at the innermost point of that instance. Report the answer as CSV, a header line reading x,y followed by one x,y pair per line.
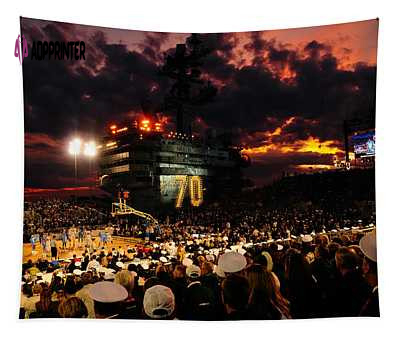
x,y
307,238
107,297
187,262
370,271
77,272
232,262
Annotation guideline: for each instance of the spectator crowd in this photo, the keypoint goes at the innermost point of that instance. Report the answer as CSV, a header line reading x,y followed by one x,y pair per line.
x,y
209,278
301,248
52,215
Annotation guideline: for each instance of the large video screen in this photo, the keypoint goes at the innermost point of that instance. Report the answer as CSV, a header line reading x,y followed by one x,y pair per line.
x,y
364,144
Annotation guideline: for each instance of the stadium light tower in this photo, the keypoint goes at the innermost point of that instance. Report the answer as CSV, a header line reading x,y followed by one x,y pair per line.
x,y
90,150
75,150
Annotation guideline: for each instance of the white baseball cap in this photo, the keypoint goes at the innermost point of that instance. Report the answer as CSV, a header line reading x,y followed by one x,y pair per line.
x,y
193,271
158,302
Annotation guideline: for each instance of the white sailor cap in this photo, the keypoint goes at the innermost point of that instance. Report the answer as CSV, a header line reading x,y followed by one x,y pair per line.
x,y
232,262
107,292
109,275
77,263
187,262
144,264
119,264
214,251
77,272
242,251
368,245
210,257
163,259
307,238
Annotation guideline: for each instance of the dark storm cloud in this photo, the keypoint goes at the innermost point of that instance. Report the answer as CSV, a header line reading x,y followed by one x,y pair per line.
x,y
62,96
252,95
260,85
319,89
151,46
271,167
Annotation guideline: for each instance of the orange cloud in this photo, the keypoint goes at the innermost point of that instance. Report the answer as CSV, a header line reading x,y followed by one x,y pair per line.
x,y
278,130
314,167
311,144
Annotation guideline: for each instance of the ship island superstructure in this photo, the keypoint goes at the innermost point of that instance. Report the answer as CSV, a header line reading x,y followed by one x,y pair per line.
x,y
161,168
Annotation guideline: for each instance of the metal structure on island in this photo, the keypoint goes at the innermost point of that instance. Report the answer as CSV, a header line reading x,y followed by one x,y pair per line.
x,y
173,168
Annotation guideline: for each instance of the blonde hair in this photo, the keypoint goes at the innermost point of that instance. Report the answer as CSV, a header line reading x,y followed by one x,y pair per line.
x,y
72,307
207,268
268,283
125,279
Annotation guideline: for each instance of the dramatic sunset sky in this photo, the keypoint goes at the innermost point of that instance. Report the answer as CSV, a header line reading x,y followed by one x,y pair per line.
x,y
283,93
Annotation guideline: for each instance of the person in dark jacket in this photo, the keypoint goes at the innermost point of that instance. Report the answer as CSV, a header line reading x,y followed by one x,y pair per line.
x,y
235,296
198,300
351,290
370,271
301,287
